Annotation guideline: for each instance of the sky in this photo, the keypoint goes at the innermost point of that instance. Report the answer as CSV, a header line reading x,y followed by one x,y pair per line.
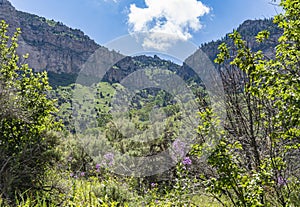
x,y
185,20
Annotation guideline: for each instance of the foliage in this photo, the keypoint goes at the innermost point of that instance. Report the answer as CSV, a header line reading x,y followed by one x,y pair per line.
x,y
61,79
27,138
255,161
251,161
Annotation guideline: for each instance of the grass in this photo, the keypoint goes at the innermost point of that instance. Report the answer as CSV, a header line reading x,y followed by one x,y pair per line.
x,y
107,194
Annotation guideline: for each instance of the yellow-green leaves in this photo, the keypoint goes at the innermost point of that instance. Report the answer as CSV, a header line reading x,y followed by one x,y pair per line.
x,y
262,36
26,121
223,54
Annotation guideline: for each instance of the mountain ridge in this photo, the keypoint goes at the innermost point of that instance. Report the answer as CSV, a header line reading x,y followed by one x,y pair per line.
x,y
51,45
62,51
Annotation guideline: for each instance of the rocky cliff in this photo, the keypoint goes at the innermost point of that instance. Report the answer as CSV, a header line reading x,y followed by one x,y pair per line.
x,y
52,46
249,29
62,51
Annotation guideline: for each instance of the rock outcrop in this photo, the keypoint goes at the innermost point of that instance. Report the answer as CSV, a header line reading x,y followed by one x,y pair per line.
x,y
51,45
249,29
64,52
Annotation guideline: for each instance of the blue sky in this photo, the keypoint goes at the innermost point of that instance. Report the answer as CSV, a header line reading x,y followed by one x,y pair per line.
x,y
105,20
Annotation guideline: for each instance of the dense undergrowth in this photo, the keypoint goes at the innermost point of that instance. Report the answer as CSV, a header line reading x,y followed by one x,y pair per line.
x,y
47,159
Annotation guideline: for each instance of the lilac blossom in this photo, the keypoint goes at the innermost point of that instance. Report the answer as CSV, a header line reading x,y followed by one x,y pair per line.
x,y
179,148
281,181
109,157
187,161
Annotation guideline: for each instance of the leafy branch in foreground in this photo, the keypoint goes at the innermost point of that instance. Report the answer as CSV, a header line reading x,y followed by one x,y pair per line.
x,y
27,123
255,162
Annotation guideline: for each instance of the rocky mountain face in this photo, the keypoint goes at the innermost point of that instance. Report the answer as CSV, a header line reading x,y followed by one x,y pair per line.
x,y
128,65
249,29
52,46
63,51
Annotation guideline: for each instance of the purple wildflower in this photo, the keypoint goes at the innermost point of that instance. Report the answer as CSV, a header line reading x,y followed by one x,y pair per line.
x,y
179,148
109,157
98,166
187,161
71,174
281,181
82,174
153,185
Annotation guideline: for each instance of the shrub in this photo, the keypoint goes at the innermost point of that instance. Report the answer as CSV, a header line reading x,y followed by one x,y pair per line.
x,y
27,125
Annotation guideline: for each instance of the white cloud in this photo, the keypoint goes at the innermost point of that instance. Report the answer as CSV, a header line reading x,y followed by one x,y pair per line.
x,y
175,18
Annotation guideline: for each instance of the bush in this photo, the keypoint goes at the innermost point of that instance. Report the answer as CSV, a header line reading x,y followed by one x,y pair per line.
x,y
27,125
